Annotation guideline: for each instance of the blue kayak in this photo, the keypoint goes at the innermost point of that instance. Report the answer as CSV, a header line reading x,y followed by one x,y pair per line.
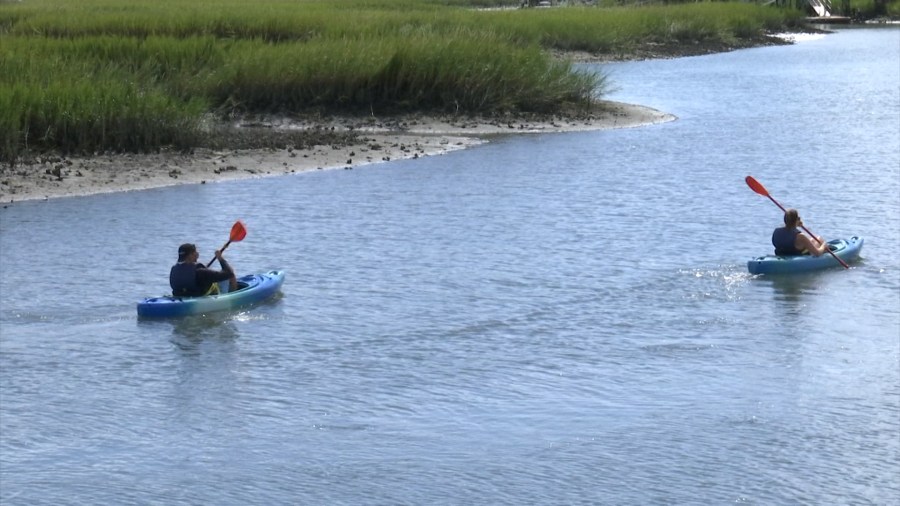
x,y
845,249
252,289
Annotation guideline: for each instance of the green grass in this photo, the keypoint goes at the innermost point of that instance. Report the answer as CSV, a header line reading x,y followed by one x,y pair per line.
x,y
873,8
89,76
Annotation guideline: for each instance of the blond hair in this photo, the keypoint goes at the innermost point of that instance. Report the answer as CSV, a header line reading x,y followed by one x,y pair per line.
x,y
791,218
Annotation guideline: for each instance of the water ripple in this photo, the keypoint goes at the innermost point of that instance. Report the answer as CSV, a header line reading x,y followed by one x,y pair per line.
x,y
554,319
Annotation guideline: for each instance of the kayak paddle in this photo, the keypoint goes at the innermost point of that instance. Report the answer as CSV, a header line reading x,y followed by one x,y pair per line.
x,y
238,232
760,189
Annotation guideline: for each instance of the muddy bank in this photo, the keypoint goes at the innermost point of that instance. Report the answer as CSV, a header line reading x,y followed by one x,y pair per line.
x,y
266,146
654,50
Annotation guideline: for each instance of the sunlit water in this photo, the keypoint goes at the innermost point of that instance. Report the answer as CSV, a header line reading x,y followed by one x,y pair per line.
x,y
554,319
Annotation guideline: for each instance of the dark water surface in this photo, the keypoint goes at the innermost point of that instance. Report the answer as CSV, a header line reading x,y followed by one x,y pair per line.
x,y
551,319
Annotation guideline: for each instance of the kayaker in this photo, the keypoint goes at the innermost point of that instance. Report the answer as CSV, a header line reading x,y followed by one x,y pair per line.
x,y
189,278
789,241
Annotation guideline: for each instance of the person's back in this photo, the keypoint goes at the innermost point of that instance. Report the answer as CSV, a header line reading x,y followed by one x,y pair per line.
x,y
788,240
183,280
785,239
188,278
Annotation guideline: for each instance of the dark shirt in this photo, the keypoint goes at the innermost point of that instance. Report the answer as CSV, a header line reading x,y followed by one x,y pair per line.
x,y
195,279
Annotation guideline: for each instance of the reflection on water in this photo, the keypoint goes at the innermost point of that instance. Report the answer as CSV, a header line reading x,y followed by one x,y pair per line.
x,y
792,289
190,331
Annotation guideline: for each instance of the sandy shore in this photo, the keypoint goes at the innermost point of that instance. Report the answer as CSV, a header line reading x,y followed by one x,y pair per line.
x,y
374,142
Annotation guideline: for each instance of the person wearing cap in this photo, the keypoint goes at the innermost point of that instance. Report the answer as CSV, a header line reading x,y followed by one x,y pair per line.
x,y
189,278
789,241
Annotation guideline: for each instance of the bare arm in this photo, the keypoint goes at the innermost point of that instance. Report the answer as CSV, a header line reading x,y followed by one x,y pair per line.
x,y
815,247
206,276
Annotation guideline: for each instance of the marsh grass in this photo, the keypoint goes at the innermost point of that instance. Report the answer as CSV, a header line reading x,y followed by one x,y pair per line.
x,y
95,75
394,74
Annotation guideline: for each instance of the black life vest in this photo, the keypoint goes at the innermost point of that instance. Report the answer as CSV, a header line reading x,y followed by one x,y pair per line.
x,y
183,280
784,240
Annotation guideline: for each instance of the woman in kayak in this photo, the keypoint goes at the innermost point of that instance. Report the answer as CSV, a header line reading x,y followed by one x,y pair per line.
x,y
789,241
188,278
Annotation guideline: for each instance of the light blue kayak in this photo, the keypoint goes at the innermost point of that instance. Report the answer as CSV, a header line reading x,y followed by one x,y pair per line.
x,y
845,249
252,289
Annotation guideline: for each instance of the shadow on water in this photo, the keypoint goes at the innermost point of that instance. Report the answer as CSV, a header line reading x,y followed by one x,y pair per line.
x,y
793,294
190,331
198,328
793,288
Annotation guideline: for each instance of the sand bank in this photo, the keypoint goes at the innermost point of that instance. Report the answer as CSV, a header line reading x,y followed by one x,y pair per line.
x,y
374,141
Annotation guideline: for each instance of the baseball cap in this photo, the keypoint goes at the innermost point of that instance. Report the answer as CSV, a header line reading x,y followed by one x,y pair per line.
x,y
185,250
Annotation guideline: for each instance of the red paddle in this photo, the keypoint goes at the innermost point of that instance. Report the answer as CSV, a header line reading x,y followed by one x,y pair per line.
x,y
760,189
238,232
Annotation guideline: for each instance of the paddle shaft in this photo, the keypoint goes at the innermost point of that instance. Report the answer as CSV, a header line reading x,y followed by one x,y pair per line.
x,y
223,249
758,188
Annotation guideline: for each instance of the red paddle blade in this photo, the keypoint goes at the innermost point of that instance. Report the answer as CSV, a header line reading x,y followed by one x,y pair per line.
x,y
755,186
238,232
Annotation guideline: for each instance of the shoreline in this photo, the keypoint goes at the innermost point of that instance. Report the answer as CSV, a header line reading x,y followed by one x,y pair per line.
x,y
396,138
332,143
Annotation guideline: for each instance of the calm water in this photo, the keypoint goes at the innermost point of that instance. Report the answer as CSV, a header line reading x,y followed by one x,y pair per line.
x,y
554,319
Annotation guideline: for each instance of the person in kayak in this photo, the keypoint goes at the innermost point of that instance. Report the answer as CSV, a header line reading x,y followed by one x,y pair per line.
x,y
189,278
789,241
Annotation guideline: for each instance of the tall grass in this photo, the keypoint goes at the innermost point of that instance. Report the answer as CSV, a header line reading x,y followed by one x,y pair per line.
x,y
95,75
395,74
622,28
